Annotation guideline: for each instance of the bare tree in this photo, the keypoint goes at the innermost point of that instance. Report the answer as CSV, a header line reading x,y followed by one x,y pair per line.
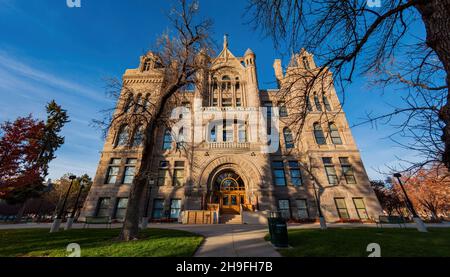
x,y
348,37
179,61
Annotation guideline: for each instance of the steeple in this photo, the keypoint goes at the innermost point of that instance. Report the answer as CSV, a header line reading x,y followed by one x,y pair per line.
x,y
225,41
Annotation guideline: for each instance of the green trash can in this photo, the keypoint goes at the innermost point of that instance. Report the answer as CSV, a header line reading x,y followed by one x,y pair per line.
x,y
278,230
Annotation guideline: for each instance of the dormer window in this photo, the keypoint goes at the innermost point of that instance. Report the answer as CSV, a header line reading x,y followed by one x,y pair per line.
x,y
306,62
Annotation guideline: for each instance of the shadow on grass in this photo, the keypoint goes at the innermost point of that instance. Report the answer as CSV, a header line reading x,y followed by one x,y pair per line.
x,y
98,243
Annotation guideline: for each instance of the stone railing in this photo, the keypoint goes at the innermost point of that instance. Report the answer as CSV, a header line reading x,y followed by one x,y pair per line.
x,y
229,145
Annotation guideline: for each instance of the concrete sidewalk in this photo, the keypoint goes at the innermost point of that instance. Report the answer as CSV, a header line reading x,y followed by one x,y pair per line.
x,y
225,240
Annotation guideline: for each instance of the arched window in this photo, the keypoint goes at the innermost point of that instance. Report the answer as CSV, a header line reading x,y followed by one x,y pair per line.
x,y
167,140
181,136
138,104
122,137
326,103
147,104
318,134
317,103
147,65
288,138
138,136
128,104
306,62
308,105
283,109
334,133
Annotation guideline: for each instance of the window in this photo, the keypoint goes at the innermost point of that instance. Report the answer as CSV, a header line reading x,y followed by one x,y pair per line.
x,y
288,139
278,172
360,208
175,208
226,102
295,173
330,170
302,209
317,103
167,141
238,102
113,171
163,172
308,104
305,63
147,65
138,137
139,103
181,137
227,134
268,106
341,208
103,206
215,102
122,137
128,104
121,208
212,134
158,208
284,208
326,103
238,86
318,134
283,109
178,174
242,132
334,133
128,176
347,170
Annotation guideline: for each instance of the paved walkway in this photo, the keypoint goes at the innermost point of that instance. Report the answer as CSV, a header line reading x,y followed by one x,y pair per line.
x,y
225,240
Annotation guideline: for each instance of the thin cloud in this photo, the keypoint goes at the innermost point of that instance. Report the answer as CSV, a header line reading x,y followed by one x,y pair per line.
x,y
46,78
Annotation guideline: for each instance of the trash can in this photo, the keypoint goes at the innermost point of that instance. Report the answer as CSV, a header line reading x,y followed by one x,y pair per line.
x,y
278,230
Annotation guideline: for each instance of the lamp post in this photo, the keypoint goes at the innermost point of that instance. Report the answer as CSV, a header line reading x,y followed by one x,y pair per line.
x,y
323,223
419,223
145,218
70,220
58,219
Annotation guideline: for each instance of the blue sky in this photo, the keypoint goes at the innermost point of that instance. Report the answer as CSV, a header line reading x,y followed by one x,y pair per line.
x,y
48,51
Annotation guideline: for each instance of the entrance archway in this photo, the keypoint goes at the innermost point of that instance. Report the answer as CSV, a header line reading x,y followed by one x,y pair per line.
x,y
228,191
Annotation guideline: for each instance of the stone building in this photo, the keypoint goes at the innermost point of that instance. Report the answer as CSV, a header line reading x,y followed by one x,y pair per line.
x,y
225,165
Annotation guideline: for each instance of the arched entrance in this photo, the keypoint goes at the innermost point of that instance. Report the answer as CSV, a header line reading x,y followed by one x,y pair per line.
x,y
228,191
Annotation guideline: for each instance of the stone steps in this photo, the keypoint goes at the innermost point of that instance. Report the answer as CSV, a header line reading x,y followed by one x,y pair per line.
x,y
231,219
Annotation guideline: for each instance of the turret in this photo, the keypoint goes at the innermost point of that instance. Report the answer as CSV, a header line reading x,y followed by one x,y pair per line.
x,y
278,71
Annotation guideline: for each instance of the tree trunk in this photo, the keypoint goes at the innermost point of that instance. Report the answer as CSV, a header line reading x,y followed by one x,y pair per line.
x,y
436,17
21,212
130,229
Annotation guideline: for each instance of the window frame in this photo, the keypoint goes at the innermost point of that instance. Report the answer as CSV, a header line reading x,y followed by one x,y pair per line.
x,y
330,175
340,209
295,167
280,169
364,208
319,135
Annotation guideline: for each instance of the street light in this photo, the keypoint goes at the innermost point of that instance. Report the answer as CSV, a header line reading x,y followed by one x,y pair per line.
x,y
70,220
58,219
145,218
323,223
419,223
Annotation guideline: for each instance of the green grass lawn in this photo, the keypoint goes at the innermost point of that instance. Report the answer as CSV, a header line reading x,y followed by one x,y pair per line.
x,y
97,243
352,242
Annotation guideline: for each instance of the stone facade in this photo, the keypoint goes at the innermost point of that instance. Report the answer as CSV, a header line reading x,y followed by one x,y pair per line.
x,y
203,172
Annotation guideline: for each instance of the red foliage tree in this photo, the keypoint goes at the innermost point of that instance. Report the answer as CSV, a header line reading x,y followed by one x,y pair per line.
x,y
429,191
19,150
